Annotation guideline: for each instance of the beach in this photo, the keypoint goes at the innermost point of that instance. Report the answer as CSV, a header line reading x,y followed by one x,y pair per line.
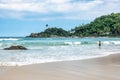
x,y
59,40
103,68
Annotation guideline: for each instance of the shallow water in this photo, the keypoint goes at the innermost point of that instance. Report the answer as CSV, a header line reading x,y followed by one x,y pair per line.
x,y
42,50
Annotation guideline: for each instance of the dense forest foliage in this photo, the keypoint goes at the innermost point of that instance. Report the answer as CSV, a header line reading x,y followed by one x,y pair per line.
x,y
107,25
51,32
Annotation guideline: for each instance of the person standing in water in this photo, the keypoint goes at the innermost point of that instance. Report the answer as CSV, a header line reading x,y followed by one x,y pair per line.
x,y
99,44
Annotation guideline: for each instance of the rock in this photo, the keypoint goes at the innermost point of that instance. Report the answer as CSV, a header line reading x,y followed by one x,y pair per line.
x,y
16,48
33,35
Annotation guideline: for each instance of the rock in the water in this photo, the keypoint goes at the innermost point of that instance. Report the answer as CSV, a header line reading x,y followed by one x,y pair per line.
x,y
15,48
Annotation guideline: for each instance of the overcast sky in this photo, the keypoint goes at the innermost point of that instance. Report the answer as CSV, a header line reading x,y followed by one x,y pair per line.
x,y
21,17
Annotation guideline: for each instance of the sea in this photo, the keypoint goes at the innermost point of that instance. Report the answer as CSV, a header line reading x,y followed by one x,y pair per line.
x,y
45,50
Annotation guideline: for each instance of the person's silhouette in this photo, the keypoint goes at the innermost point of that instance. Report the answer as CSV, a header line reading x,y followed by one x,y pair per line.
x,y
99,44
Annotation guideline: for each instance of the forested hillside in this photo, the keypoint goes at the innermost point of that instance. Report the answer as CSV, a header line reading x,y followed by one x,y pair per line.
x,y
107,25
51,32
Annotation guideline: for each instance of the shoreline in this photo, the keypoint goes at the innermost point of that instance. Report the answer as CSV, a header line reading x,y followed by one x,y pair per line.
x,y
20,64
68,37
105,68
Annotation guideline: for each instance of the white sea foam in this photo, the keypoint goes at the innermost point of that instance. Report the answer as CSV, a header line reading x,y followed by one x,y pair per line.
x,y
8,39
77,43
31,61
106,42
44,51
111,42
72,43
116,42
38,61
68,43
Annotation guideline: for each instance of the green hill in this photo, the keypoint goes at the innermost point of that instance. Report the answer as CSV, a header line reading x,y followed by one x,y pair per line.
x,y
51,32
107,25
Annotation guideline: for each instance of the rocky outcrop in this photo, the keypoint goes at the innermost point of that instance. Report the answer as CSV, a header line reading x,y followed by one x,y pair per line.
x,y
50,32
33,35
16,48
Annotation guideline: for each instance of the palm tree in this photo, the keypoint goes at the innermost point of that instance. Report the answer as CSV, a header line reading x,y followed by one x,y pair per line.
x,y
46,25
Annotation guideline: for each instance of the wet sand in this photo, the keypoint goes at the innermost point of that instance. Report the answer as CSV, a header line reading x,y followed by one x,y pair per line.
x,y
104,68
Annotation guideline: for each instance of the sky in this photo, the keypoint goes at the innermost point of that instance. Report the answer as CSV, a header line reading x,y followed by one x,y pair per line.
x,y
19,18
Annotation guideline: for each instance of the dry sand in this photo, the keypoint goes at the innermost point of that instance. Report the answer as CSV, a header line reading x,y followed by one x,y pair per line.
x,y
105,68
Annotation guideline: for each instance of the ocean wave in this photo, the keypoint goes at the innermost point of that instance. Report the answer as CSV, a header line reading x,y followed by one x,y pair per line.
x,y
8,39
66,43
6,45
111,42
72,43
39,61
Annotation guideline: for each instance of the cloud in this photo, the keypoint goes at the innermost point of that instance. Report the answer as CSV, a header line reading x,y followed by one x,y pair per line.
x,y
47,5
70,9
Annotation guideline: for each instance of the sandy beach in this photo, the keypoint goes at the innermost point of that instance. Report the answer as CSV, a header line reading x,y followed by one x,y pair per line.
x,y
104,68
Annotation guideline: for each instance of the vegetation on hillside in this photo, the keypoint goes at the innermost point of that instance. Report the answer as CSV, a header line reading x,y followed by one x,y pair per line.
x,y
107,25
51,32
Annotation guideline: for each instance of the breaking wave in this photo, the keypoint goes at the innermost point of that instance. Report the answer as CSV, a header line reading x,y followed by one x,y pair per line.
x,y
38,43
8,39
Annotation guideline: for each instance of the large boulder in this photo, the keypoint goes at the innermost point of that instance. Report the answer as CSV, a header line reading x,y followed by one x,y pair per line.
x,y
16,48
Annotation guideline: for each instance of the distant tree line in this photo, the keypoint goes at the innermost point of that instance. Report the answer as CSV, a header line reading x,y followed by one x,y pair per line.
x,y
51,32
107,25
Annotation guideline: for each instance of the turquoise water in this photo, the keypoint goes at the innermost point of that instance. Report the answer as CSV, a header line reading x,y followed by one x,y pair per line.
x,y
42,50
